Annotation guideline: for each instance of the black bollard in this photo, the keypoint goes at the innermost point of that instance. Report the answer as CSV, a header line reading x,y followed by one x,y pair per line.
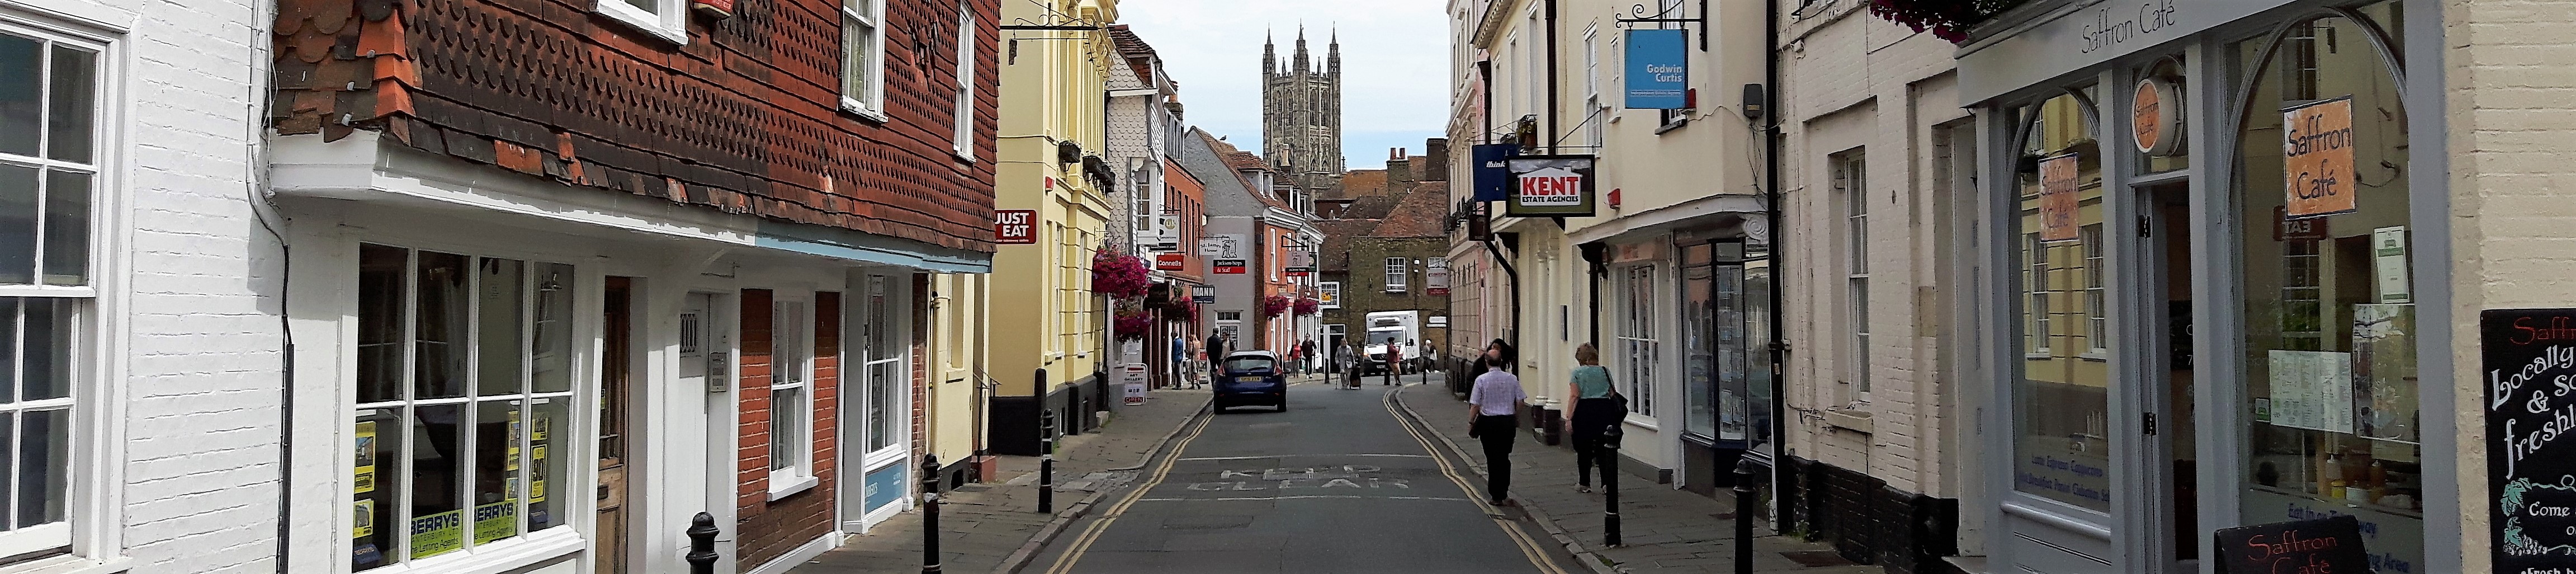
x,y
1744,516
1046,462
702,544
1609,456
929,514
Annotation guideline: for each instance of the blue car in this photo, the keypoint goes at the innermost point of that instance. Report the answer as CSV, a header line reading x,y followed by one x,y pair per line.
x,y
1249,378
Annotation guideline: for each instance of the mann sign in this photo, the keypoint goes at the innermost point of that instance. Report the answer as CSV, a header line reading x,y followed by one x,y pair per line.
x,y
1550,186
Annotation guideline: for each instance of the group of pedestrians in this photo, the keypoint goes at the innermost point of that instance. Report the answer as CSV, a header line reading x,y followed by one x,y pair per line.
x,y
1494,407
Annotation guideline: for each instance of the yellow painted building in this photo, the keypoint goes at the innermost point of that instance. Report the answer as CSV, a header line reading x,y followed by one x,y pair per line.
x,y
1052,135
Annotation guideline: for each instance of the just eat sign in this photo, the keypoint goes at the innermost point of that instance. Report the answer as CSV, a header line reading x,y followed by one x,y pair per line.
x,y
1015,226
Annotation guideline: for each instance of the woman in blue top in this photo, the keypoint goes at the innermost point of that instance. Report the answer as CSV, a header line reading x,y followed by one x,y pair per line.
x,y
1593,413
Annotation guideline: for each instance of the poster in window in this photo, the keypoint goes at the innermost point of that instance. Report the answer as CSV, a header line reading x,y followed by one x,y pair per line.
x,y
2383,371
512,461
2058,179
2388,250
363,520
2316,157
366,481
2528,363
2312,390
437,534
537,476
496,521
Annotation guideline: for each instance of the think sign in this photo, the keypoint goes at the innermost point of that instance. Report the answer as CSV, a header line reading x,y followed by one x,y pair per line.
x,y
1550,186
1015,226
1658,69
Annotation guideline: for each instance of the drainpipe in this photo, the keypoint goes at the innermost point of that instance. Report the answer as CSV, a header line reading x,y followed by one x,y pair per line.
x,y
1485,76
1552,120
1772,209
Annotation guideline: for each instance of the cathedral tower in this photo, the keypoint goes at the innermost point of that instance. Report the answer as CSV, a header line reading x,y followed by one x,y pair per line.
x,y
1301,113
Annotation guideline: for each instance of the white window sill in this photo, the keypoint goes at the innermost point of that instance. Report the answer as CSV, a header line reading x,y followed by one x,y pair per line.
x,y
646,23
498,557
2039,354
962,155
2096,355
70,565
1642,421
785,488
861,108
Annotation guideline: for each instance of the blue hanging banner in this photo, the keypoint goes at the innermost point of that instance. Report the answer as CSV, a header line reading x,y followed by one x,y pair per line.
x,y
1658,69
1493,177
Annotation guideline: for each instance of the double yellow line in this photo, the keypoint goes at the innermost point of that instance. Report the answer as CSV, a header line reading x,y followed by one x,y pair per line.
x,y
1529,547
1064,563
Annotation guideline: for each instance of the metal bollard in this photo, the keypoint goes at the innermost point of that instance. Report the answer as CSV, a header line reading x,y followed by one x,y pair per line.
x,y
1046,462
929,514
1609,455
1744,516
702,544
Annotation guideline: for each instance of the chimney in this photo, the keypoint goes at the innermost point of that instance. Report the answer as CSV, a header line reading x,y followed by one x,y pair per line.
x,y
1435,162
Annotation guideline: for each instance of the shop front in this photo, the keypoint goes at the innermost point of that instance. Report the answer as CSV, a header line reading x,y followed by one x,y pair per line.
x,y
1683,312
2207,214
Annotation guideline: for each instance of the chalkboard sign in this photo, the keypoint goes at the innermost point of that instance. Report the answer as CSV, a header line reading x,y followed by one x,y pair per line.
x,y
2321,546
2529,374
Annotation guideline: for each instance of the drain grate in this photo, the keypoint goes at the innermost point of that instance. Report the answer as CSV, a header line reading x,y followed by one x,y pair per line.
x,y
1815,558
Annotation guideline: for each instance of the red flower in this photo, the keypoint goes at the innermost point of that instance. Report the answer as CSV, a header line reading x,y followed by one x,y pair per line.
x,y
1275,305
1118,275
1309,306
1130,324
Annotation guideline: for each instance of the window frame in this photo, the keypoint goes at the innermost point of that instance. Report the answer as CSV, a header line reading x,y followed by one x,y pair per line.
x,y
871,104
1640,350
1851,187
91,531
791,325
963,139
668,20
1397,269
2097,303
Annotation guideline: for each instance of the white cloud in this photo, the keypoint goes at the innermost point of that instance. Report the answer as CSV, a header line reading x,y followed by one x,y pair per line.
x,y
1395,63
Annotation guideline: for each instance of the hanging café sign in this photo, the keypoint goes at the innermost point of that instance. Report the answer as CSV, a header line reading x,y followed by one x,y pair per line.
x,y
1550,186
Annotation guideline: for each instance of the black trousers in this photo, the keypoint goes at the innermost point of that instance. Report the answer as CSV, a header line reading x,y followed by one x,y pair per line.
x,y
1497,432
1592,420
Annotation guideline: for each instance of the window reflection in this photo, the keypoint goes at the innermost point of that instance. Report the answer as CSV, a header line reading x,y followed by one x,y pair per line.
x,y
2061,406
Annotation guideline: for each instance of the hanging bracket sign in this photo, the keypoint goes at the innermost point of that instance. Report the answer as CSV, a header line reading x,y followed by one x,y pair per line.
x,y
1550,186
2317,158
2155,116
1203,294
1015,226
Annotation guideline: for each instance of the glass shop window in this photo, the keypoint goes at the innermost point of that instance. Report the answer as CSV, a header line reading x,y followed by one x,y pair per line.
x,y
2061,404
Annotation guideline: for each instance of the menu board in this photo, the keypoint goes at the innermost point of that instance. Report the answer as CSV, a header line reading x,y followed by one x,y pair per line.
x,y
2529,372
2320,545
2312,390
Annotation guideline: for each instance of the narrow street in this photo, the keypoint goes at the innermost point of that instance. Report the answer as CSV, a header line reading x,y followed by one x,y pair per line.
x,y
1338,483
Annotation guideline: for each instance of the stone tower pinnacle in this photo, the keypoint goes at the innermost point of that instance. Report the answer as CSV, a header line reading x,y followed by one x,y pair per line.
x,y
1301,112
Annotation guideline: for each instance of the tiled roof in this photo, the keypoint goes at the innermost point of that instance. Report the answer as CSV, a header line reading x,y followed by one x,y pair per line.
x,y
1140,56
1422,213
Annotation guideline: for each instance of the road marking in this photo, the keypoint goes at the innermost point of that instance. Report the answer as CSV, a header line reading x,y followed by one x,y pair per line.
x,y
1529,548
1072,554
1305,496
1300,455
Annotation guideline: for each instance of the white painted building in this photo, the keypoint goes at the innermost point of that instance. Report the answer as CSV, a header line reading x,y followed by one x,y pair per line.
x,y
139,284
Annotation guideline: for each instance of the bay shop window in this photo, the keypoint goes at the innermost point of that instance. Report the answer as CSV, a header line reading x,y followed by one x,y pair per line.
x,y
464,386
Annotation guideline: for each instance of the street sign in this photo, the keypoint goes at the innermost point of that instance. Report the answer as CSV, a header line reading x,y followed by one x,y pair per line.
x,y
1658,69
1015,226
1168,262
1229,266
1301,261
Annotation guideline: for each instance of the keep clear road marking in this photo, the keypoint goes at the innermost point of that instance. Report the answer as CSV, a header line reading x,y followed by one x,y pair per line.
x,y
1512,528
1064,563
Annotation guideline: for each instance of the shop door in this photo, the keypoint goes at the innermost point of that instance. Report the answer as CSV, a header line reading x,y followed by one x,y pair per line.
x,y
879,394
703,350
616,356
2170,427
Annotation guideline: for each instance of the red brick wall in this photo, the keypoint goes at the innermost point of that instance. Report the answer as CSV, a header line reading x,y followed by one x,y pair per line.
x,y
742,118
766,529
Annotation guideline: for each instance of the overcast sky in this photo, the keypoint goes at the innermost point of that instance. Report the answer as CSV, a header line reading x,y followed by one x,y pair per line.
x,y
1394,59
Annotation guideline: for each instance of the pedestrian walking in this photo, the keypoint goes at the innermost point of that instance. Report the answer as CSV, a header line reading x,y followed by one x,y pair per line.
x,y
1215,353
1348,362
1493,405
1596,407
1394,363
1306,348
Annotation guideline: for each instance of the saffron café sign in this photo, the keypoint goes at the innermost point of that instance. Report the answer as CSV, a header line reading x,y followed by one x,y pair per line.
x,y
2320,546
2529,371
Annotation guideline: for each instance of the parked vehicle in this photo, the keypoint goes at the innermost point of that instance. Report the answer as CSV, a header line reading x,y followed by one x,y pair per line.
x,y
1400,328
1250,378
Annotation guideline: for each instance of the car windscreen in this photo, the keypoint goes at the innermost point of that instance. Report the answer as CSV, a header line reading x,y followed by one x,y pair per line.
x,y
1383,337
1238,364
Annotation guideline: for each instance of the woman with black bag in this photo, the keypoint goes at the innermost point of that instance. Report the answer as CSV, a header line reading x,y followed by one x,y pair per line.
x,y
1596,407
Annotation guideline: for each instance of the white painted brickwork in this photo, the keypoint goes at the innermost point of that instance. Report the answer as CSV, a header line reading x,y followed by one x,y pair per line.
x,y
2508,85
189,287
1857,84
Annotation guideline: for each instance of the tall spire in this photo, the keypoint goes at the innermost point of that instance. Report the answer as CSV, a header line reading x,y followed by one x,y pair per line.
x,y
1302,58
1269,56
1333,53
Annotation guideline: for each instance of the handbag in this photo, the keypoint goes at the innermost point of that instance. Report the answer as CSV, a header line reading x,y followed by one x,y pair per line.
x,y
1616,399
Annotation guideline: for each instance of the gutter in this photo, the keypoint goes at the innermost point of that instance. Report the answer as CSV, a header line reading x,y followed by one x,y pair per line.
x,y
1771,207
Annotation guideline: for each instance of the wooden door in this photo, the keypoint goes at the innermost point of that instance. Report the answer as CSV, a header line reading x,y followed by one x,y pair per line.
x,y
617,333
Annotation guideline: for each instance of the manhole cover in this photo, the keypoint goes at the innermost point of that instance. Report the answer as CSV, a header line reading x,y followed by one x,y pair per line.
x,y
1814,558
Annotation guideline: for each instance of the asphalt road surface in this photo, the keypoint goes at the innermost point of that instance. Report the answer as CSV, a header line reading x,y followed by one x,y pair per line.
x,y
1338,483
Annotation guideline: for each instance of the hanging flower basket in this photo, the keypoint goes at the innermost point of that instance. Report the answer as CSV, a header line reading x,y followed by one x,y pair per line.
x,y
1118,275
1309,306
1131,324
1275,305
1945,19
1180,309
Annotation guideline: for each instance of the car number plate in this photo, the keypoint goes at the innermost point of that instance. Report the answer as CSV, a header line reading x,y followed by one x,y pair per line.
x,y
1250,379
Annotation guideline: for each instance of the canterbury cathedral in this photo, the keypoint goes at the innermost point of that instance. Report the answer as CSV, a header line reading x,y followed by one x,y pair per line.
x,y
1301,113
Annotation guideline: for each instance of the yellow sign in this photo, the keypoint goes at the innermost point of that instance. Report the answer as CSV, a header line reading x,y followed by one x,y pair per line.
x,y
364,519
496,521
537,478
437,534
2057,204
366,482
2317,158
513,461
